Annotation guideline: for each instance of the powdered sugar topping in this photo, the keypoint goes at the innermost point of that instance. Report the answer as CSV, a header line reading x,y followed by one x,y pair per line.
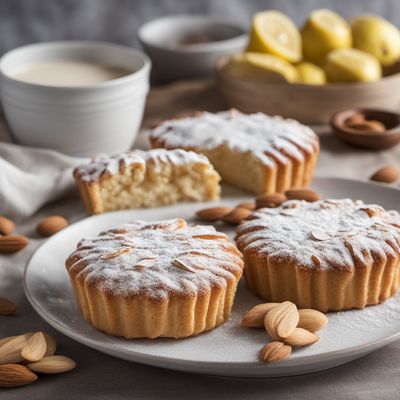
x,y
324,234
156,259
261,134
104,165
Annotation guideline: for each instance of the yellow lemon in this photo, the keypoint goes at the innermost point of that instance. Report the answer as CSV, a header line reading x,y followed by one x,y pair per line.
x,y
378,37
261,66
274,33
311,74
323,32
352,65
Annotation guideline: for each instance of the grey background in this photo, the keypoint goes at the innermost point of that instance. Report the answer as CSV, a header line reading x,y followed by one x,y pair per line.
x,y
29,21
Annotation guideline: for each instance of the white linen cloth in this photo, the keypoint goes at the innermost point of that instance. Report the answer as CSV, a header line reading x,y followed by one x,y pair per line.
x,y
31,177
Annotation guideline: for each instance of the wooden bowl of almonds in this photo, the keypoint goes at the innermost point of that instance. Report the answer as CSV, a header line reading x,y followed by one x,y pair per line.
x,y
367,128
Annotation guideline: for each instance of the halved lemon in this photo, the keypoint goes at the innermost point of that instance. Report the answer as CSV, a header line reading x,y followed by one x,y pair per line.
x,y
352,65
323,32
378,37
263,67
311,74
274,33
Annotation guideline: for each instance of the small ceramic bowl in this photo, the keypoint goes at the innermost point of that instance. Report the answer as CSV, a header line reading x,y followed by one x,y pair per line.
x,y
370,139
76,120
164,40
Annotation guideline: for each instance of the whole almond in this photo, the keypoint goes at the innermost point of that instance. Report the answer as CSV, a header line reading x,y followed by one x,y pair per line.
x,y
275,351
14,375
301,337
51,344
35,348
12,243
312,320
357,118
371,126
251,205
213,214
281,321
302,194
51,225
7,307
10,351
388,174
8,338
254,318
237,215
270,200
6,226
52,365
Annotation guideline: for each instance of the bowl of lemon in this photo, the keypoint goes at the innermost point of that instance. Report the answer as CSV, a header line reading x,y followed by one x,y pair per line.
x,y
309,74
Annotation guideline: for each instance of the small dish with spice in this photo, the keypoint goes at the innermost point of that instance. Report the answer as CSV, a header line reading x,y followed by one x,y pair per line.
x,y
368,128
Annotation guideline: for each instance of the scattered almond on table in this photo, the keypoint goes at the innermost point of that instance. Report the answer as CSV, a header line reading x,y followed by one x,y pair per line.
x,y
10,244
51,225
7,307
36,351
387,174
286,325
6,226
15,375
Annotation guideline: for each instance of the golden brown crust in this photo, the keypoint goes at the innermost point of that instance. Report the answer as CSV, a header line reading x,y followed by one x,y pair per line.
x,y
90,197
327,255
331,290
159,300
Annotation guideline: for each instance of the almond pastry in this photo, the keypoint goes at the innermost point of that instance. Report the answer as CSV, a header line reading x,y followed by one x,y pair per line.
x,y
325,255
146,179
256,152
170,280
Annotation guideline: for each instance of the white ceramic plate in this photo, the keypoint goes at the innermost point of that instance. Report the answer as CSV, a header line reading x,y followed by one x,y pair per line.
x,y
230,349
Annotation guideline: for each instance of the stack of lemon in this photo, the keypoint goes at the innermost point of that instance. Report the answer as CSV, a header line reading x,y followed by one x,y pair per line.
x,y
327,49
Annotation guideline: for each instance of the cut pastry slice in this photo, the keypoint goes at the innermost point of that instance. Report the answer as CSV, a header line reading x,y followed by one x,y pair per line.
x,y
255,152
146,179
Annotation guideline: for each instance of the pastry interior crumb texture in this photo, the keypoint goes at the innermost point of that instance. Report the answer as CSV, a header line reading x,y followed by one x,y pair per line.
x,y
146,179
255,152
